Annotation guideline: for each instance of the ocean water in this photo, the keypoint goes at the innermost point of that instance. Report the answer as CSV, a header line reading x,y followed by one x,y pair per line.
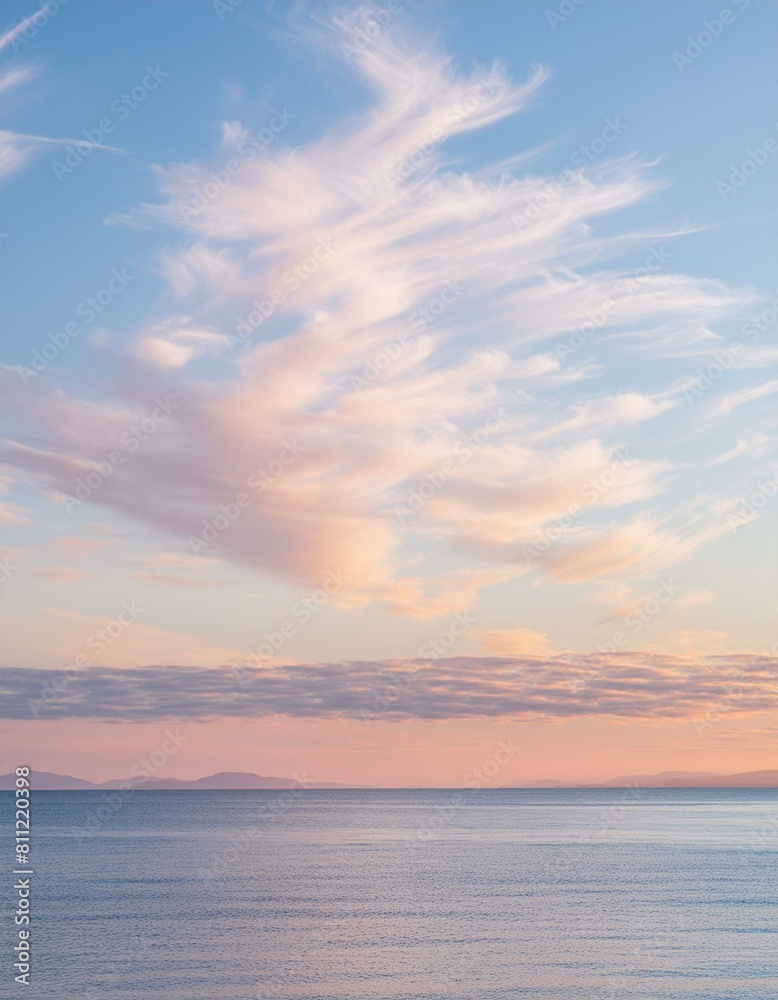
x,y
403,895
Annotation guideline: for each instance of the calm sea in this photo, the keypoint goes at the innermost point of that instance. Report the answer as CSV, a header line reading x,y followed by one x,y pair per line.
x,y
404,895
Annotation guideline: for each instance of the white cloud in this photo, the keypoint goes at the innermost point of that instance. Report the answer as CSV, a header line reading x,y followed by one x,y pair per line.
x,y
754,445
398,300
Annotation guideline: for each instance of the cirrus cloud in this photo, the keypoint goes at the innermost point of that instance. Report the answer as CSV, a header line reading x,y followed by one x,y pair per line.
x,y
284,346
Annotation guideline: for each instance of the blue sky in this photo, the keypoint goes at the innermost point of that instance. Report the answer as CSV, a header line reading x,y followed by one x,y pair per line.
x,y
651,127
607,59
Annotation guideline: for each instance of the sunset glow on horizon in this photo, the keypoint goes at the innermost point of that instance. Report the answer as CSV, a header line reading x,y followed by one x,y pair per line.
x,y
381,411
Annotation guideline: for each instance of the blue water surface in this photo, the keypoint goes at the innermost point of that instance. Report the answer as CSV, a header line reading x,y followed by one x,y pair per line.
x,y
403,895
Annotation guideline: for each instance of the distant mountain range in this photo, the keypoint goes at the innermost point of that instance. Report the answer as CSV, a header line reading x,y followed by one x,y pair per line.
x,y
668,779
46,781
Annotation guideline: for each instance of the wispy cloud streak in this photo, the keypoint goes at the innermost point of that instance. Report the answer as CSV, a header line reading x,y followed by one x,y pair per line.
x,y
306,263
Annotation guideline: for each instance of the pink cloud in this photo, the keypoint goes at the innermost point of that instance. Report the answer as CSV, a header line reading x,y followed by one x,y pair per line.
x,y
355,247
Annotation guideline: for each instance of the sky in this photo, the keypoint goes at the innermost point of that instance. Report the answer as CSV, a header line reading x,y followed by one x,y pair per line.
x,y
388,386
